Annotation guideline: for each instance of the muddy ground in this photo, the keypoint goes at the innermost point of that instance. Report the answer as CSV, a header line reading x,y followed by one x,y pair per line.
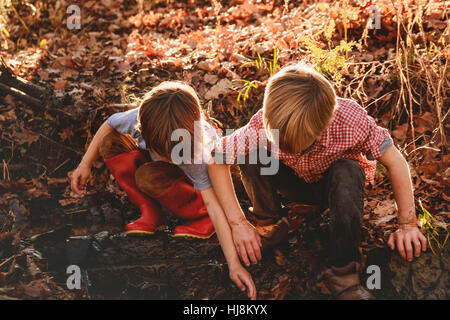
x,y
116,266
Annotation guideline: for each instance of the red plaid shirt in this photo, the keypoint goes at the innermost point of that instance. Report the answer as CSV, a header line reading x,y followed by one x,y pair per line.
x,y
352,134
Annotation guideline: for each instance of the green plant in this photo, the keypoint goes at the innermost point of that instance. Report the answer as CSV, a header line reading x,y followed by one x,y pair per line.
x,y
261,64
330,61
436,235
45,121
273,65
246,89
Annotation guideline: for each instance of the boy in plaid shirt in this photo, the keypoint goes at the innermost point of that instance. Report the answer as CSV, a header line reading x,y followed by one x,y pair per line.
x,y
327,148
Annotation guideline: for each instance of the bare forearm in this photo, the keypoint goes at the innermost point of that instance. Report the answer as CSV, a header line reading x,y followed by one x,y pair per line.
x,y
401,184
223,185
407,239
245,237
92,152
221,226
238,274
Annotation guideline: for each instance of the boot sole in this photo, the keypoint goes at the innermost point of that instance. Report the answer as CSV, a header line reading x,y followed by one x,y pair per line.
x,y
142,233
187,235
145,233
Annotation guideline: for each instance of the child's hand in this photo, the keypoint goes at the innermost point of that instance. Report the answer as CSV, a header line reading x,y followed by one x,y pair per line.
x,y
407,238
79,178
247,242
243,280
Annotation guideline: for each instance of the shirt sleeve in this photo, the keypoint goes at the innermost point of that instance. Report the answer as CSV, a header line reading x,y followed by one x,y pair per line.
x,y
387,142
241,142
125,122
370,138
210,137
198,173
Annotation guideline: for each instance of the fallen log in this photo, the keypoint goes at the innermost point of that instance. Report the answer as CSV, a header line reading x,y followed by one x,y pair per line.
x,y
25,91
29,100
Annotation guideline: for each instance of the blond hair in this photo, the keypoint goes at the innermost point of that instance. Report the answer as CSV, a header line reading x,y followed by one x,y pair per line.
x,y
169,106
299,102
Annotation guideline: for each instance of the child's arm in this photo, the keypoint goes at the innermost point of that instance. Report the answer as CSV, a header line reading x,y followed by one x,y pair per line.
x,y
82,172
408,235
246,239
238,274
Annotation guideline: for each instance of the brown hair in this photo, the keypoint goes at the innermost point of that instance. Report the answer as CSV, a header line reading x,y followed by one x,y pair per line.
x,y
299,102
169,106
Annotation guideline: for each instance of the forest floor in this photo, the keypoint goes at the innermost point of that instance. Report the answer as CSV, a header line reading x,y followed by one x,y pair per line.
x,y
226,50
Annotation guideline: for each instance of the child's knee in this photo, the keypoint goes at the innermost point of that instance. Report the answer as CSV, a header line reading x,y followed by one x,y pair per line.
x,y
155,177
346,190
249,171
113,143
105,145
346,172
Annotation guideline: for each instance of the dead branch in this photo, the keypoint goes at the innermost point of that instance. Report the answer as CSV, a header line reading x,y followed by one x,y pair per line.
x,y
8,78
19,88
20,95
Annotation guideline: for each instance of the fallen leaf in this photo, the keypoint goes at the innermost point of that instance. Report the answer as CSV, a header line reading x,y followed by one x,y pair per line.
x,y
26,136
424,123
279,258
208,65
60,84
36,289
282,288
400,132
323,288
211,78
385,207
222,87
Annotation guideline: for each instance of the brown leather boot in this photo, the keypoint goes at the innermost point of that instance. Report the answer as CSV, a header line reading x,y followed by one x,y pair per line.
x,y
272,232
344,283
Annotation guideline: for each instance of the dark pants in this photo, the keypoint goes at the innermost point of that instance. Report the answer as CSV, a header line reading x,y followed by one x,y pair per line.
x,y
341,189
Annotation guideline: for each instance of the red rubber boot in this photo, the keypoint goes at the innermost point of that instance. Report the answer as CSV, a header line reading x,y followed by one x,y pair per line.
x,y
123,168
185,202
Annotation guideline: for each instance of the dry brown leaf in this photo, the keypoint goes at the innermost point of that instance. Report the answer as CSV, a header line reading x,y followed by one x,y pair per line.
x,y
208,65
385,207
282,288
26,136
400,132
279,258
323,288
60,84
222,87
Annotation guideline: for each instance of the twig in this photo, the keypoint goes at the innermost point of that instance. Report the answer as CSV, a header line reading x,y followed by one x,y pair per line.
x,y
5,171
59,166
7,260
61,145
